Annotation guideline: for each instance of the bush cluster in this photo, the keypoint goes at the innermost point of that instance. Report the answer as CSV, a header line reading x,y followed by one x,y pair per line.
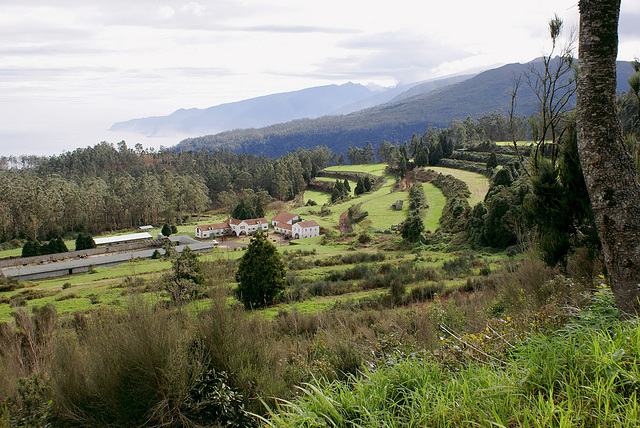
x,y
35,248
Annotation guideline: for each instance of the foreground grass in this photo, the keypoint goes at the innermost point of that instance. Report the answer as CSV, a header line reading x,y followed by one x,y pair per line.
x,y
583,375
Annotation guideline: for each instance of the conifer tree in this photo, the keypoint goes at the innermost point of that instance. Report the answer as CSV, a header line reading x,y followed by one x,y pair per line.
x,y
261,274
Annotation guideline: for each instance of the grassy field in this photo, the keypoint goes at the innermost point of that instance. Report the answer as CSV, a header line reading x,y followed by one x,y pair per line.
x,y
378,169
331,221
320,198
436,201
478,183
510,143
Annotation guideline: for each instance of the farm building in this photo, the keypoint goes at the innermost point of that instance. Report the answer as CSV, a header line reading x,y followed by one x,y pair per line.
x,y
248,227
397,205
285,218
122,239
69,267
209,230
302,229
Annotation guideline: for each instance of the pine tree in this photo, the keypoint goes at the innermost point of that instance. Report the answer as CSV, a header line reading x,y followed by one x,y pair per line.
x,y
261,274
359,190
84,241
367,183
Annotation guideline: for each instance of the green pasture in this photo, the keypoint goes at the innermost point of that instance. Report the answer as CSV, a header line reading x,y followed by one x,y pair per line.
x,y
321,198
378,169
436,202
478,183
510,143
380,212
333,219
15,252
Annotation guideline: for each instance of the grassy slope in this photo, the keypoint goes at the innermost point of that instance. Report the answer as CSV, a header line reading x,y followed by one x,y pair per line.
x,y
478,183
582,375
377,203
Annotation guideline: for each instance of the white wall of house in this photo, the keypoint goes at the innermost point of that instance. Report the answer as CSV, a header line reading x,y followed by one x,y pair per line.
x,y
243,228
299,232
204,232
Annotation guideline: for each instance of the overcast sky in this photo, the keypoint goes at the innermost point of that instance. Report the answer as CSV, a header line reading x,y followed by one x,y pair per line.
x,y
70,69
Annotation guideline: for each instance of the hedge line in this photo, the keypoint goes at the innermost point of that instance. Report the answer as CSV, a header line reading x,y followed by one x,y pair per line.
x,y
476,167
482,157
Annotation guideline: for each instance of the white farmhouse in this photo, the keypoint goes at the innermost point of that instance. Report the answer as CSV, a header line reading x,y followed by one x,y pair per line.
x,y
305,229
285,218
302,229
208,230
248,227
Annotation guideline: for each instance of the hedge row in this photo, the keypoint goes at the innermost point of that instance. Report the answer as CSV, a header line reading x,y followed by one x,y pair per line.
x,y
353,176
482,157
464,165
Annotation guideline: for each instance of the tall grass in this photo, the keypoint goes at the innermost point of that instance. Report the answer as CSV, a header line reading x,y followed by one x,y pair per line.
x,y
584,375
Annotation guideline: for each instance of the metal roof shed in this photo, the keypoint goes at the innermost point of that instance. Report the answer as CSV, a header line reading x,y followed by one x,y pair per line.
x,y
111,240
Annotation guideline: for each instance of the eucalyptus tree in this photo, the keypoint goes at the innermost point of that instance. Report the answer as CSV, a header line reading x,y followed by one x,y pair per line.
x,y
610,173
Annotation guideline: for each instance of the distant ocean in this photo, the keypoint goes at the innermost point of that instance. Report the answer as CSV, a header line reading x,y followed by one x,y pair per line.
x,y
55,142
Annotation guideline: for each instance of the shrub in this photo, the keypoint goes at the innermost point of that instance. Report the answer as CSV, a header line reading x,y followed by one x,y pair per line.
x,y
84,241
166,229
425,292
138,368
185,280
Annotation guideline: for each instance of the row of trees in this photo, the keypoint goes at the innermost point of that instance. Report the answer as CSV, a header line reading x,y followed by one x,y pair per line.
x,y
413,227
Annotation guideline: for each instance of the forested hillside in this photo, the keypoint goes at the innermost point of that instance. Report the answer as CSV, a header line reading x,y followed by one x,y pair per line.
x,y
397,120
106,188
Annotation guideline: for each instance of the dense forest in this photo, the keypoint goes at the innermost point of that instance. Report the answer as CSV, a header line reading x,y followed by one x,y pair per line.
x,y
107,188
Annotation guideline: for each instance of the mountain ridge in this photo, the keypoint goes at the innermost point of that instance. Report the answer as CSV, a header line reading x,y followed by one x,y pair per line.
x,y
396,120
266,110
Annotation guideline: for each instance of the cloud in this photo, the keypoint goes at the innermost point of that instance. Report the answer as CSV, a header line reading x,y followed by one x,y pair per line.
x,y
194,8
295,29
404,57
166,12
629,27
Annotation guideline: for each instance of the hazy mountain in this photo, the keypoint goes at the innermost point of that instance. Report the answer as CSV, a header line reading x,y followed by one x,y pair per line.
x,y
397,120
271,109
251,113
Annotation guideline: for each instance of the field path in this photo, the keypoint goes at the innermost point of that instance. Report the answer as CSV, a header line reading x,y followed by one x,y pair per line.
x,y
343,222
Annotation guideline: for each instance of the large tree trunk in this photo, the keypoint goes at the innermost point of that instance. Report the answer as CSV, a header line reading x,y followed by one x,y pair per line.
x,y
609,171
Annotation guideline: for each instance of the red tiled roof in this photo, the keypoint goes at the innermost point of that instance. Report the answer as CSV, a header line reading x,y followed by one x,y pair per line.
x,y
307,223
248,221
213,226
284,217
256,220
284,226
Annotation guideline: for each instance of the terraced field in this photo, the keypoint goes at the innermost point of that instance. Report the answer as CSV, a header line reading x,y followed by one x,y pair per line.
x,y
478,183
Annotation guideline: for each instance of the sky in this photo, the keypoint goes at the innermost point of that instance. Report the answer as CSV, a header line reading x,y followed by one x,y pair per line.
x,y
70,69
